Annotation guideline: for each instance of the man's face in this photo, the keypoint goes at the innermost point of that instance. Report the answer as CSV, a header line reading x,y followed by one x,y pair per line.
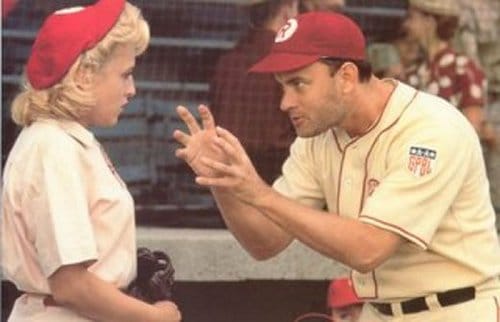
x,y
348,313
313,99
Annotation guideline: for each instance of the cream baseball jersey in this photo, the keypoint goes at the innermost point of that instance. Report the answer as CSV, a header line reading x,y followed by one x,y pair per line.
x,y
417,172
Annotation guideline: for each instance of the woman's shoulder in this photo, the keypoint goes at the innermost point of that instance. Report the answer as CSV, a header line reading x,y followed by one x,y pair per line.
x,y
48,137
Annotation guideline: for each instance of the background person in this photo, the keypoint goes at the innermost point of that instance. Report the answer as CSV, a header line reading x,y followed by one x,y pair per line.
x,y
322,5
478,36
248,104
409,52
343,302
7,7
445,72
68,230
385,61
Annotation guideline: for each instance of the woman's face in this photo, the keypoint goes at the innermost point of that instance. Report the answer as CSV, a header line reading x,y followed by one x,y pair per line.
x,y
408,49
418,24
113,86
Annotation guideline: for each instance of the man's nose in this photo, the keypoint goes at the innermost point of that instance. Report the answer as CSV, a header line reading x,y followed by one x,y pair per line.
x,y
288,100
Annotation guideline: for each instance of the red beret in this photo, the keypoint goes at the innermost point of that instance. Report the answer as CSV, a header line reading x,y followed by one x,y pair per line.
x,y
309,37
66,34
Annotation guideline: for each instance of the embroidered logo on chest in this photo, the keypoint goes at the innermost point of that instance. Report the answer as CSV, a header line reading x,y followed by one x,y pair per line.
x,y
421,160
371,185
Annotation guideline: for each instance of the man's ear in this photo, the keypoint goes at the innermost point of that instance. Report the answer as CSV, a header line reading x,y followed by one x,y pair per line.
x,y
349,74
83,77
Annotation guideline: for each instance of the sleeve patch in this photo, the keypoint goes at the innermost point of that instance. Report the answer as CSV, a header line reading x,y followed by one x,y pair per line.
x,y
421,160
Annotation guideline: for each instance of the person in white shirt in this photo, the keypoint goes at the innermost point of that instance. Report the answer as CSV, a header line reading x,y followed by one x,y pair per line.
x,y
68,227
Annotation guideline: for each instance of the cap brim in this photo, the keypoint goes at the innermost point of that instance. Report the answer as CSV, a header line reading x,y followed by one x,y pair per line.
x,y
282,62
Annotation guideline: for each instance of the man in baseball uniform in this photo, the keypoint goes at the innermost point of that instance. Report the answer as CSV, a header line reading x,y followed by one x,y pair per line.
x,y
383,178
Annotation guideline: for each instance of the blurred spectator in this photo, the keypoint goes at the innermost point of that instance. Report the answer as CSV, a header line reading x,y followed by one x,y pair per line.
x,y
9,128
478,36
248,104
398,56
385,60
342,300
7,6
409,52
322,5
446,73
478,28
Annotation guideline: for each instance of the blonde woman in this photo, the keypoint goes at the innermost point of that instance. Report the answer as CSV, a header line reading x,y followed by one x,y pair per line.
x,y
68,230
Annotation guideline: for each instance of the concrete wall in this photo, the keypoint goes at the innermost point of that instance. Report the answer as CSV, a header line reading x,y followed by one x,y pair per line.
x,y
215,255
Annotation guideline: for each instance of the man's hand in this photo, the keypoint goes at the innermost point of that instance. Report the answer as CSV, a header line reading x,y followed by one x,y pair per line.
x,y
199,142
237,174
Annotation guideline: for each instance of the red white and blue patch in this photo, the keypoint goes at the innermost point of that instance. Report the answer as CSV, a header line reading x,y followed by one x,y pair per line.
x,y
421,160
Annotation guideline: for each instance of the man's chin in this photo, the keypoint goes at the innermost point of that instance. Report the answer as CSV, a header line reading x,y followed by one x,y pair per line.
x,y
305,133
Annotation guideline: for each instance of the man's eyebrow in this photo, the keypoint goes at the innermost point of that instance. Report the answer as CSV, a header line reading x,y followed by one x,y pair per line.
x,y
288,80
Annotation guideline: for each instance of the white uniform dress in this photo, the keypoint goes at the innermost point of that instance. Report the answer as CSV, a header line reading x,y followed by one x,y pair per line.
x,y
418,172
62,203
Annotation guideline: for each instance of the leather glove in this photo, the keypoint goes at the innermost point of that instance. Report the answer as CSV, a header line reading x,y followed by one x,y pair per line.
x,y
155,276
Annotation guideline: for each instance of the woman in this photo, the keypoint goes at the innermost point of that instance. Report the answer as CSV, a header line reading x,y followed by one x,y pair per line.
x,y
68,230
446,73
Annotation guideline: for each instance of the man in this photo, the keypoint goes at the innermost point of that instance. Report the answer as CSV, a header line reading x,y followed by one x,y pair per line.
x,y
344,304
399,172
248,104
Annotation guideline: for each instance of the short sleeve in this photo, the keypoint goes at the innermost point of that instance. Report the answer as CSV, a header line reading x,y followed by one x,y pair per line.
x,y
426,168
58,204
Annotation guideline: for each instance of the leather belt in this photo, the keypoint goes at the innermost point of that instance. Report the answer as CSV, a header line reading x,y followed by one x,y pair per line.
x,y
419,304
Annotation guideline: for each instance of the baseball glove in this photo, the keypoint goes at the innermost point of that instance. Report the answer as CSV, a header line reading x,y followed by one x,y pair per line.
x,y
155,276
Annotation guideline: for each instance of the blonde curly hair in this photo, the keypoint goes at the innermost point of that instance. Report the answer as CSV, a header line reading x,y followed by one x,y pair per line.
x,y
67,101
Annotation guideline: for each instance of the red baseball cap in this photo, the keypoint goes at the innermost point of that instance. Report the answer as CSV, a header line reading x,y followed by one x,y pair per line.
x,y
309,37
341,293
66,34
